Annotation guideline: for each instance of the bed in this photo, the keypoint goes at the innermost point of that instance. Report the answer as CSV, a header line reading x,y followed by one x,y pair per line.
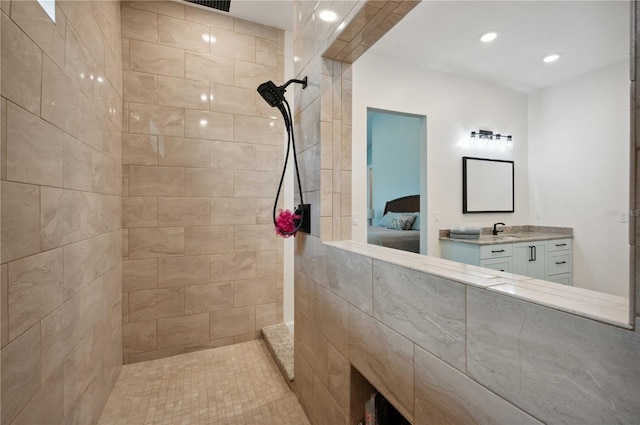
x,y
406,240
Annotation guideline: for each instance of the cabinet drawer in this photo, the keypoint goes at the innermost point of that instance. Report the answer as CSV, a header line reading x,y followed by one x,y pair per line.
x,y
500,264
559,244
564,278
496,251
559,262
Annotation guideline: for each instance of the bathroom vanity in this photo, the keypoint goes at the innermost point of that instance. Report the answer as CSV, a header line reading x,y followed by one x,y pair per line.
x,y
539,252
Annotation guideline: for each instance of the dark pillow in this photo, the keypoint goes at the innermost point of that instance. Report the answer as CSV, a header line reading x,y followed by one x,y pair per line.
x,y
399,224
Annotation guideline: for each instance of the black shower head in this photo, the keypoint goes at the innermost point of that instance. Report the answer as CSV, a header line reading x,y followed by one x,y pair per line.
x,y
271,93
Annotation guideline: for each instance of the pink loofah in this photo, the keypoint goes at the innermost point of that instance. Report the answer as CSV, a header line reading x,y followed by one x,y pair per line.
x,y
285,224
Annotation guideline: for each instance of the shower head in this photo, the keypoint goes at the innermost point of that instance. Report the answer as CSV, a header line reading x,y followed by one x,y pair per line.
x,y
273,94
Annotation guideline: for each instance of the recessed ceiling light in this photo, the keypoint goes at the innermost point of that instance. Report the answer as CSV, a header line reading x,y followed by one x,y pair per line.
x,y
328,15
489,36
551,58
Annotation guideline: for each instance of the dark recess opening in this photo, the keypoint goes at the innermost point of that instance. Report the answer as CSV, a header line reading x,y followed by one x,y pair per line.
x,y
223,5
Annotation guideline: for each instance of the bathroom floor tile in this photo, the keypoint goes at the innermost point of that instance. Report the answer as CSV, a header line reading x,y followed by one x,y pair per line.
x,y
234,385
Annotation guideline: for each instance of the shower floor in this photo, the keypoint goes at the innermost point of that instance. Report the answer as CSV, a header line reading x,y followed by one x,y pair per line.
x,y
236,384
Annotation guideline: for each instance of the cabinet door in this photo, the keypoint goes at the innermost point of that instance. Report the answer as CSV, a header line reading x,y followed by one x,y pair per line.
x,y
500,264
529,259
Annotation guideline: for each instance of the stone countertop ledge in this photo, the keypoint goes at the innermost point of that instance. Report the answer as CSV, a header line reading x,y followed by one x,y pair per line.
x,y
594,305
513,234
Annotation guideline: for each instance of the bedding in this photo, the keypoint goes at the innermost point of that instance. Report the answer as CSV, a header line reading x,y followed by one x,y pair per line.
x,y
402,213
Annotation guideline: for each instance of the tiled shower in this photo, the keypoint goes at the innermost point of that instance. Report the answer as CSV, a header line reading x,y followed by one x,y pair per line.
x,y
138,171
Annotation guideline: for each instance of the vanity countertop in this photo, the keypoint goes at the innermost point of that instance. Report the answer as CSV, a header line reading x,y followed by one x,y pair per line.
x,y
514,234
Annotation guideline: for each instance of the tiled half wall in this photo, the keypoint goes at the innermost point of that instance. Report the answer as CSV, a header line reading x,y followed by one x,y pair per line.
x,y
201,157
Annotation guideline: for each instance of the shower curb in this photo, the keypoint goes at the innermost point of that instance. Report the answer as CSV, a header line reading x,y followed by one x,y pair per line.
x,y
280,344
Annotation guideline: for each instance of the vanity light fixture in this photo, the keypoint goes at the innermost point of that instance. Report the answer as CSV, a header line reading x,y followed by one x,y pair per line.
x,y
488,36
551,58
487,135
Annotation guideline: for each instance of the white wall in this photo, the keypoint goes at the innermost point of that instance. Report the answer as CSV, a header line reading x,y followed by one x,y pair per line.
x,y
579,172
395,158
454,106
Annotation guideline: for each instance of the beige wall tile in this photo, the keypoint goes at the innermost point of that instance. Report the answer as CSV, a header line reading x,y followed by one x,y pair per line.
x,y
21,67
139,149
259,237
232,322
183,212
190,348
209,297
233,211
140,87
161,242
155,304
214,69
139,337
247,337
181,152
207,182
77,165
208,240
254,291
259,184
21,373
125,307
183,34
156,354
20,220
4,308
47,406
155,119
34,149
168,8
227,267
208,125
34,21
266,52
182,271
250,75
107,175
266,159
233,156
35,289
257,30
205,17
139,25
266,263
255,130
183,93
139,212
233,45
156,181
156,59
107,100
79,64
339,377
232,100
139,274
264,211
265,315
179,331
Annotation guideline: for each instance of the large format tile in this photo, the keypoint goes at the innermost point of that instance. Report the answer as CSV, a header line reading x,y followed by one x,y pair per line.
x,y
235,321
21,67
139,212
260,290
156,59
233,100
139,25
258,237
180,152
20,220
178,331
233,211
208,125
350,276
209,297
139,337
214,69
258,184
447,396
20,373
182,211
140,87
332,315
34,149
183,93
208,182
233,156
428,310
183,34
139,274
156,303
384,357
181,271
156,119
232,266
156,181
233,45
313,258
139,149
558,367
208,240
35,289
156,242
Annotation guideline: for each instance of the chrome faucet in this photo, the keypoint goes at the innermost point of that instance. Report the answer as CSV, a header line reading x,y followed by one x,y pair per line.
x,y
496,231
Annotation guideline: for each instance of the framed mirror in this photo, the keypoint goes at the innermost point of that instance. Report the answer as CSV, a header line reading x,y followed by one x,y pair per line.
x,y
487,185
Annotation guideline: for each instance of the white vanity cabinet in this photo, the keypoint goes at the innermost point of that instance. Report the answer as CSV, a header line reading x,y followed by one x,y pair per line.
x,y
541,259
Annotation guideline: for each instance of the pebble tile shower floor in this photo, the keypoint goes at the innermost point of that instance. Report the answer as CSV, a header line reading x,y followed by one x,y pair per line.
x,y
233,385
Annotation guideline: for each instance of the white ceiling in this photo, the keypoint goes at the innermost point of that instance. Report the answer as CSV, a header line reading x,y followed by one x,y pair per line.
x,y
273,13
444,35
